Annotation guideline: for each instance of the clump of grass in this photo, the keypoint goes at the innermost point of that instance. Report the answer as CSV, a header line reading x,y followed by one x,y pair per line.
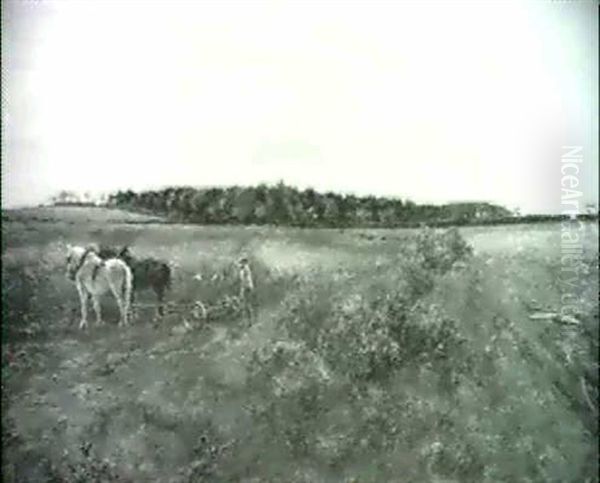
x,y
18,291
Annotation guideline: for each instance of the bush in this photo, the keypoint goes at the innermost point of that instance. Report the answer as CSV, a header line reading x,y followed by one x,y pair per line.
x,y
369,333
340,345
438,252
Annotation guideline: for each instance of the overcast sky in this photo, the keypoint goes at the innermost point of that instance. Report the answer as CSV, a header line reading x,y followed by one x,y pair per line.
x,y
432,101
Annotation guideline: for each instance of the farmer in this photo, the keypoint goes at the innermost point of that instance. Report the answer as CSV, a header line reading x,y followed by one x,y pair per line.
x,y
246,286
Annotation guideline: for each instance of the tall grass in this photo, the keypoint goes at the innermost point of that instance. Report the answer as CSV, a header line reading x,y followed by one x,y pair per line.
x,y
410,360
372,369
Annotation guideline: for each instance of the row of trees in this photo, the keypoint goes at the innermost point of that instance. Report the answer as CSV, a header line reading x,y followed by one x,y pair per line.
x,y
284,205
71,198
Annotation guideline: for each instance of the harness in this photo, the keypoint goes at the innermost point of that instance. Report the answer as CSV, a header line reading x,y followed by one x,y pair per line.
x,y
82,261
96,269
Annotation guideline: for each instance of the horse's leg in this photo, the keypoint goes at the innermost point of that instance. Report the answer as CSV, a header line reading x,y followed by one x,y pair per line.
x,y
131,307
97,309
122,308
128,294
83,297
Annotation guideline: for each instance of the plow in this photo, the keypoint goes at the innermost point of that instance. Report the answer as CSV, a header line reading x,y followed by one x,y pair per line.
x,y
230,306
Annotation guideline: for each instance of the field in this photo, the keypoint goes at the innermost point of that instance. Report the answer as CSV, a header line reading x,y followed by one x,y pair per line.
x,y
375,356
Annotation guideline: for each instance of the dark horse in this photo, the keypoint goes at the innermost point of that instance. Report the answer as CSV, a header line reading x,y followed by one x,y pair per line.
x,y
147,273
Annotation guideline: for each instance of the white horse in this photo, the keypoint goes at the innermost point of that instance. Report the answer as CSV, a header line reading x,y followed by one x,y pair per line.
x,y
94,277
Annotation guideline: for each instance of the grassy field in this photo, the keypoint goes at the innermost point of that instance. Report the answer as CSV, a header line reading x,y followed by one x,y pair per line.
x,y
376,355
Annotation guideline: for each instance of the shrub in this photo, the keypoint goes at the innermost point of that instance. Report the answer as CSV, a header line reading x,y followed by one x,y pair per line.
x,y
380,327
439,251
346,335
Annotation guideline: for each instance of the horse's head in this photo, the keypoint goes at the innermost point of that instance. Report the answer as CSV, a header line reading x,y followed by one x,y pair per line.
x,y
125,255
106,252
73,260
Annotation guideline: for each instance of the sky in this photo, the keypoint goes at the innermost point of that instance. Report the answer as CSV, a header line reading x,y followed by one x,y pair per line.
x,y
434,101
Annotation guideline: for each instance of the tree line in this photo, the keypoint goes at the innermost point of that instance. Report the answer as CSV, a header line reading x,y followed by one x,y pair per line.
x,y
285,205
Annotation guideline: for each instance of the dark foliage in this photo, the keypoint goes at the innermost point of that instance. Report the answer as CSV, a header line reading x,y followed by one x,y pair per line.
x,y
285,205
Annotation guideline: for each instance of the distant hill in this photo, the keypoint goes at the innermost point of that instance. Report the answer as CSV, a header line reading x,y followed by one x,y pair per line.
x,y
285,205
76,214
71,198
